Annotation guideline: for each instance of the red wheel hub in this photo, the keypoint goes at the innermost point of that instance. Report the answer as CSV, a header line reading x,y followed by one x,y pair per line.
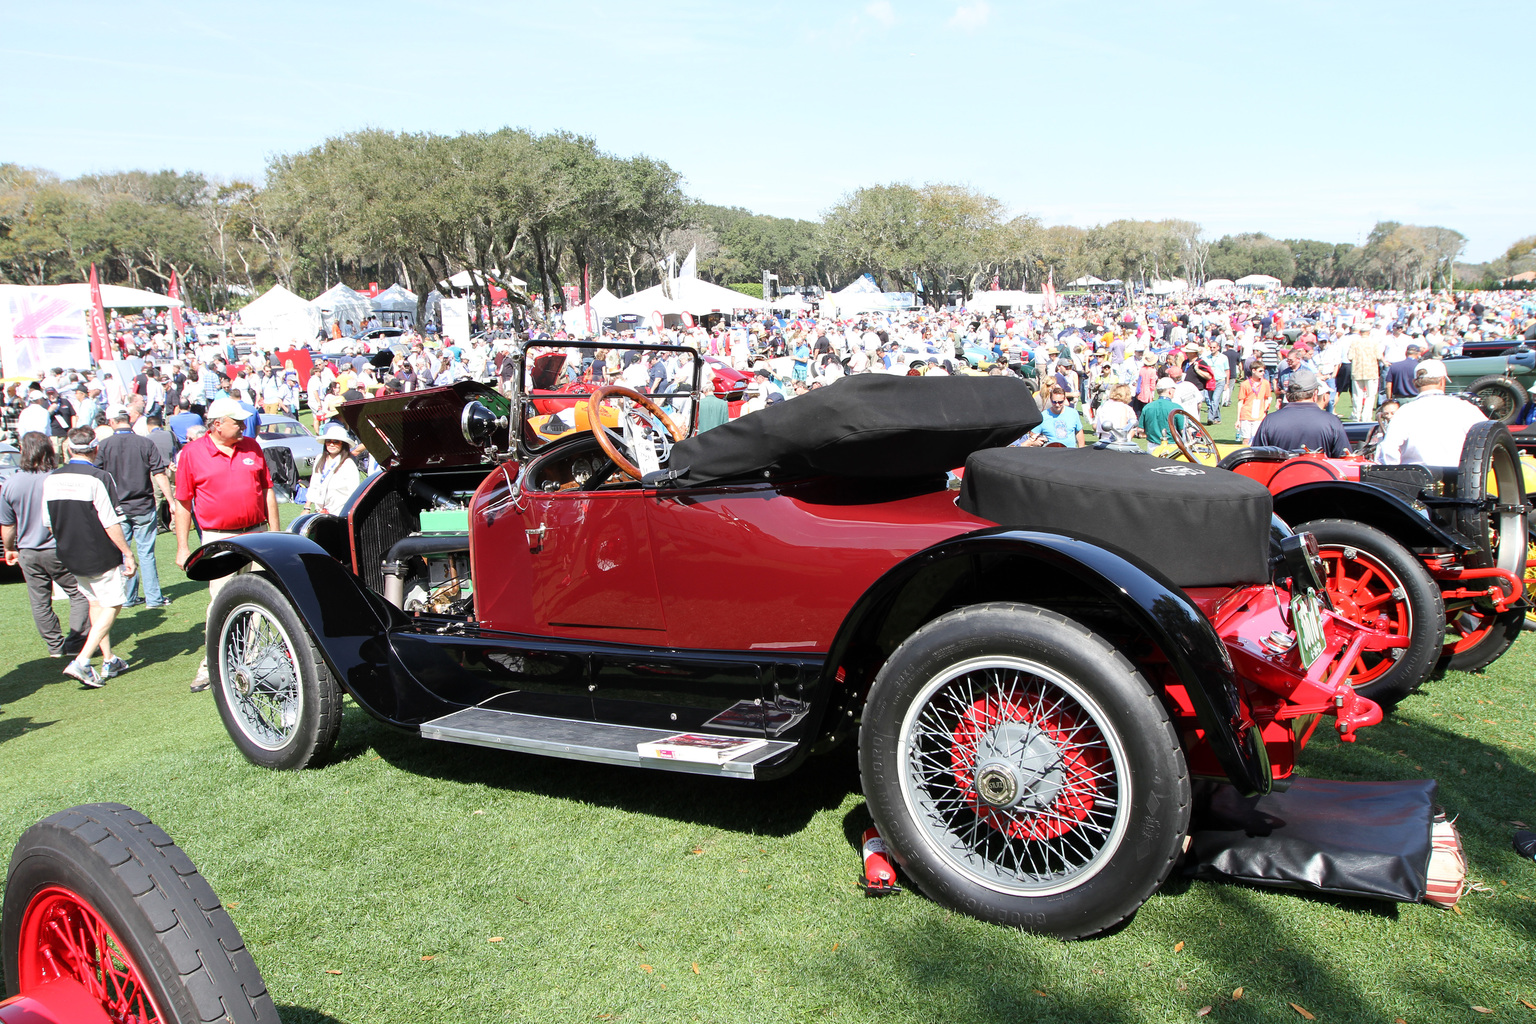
x,y
62,936
1365,591
1062,772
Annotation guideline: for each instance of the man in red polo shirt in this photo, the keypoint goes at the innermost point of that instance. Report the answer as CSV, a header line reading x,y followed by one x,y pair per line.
x,y
222,479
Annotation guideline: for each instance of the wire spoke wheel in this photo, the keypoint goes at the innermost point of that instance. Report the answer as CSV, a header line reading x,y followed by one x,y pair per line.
x,y
1021,770
1375,581
260,676
1366,590
62,936
1011,776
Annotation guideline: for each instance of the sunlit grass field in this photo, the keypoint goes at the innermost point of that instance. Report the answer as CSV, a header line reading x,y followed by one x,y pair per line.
x,y
411,881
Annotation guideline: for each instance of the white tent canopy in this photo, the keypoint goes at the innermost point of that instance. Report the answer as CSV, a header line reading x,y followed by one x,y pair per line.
x,y
342,303
113,296
465,280
395,299
1013,299
281,318
790,303
1258,281
1086,281
1219,284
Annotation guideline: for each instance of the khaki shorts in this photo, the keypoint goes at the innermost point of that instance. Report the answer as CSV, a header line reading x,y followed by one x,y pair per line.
x,y
105,590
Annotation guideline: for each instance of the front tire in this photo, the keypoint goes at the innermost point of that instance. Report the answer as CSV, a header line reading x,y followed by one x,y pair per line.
x,y
99,895
273,689
1022,771
1373,580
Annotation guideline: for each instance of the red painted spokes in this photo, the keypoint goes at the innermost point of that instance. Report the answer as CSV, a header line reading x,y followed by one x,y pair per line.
x,y
1047,743
1366,591
62,936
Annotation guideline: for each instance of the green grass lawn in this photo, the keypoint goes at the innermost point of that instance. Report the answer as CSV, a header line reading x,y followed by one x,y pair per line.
x,y
413,881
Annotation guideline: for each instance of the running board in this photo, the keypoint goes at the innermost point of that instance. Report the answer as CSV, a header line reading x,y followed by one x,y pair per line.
x,y
584,741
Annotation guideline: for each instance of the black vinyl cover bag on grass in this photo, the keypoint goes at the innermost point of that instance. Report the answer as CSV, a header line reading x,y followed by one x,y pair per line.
x,y
1369,839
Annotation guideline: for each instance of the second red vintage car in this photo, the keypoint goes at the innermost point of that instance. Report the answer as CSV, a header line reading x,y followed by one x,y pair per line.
x,y
1034,667
1438,554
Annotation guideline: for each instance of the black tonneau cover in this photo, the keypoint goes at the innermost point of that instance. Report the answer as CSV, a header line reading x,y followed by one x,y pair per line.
x,y
1198,525
869,425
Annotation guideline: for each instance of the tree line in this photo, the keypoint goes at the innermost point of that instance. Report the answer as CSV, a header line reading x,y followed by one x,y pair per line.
x,y
555,210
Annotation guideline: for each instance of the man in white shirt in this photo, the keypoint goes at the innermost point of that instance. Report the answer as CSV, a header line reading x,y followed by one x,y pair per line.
x,y
1431,429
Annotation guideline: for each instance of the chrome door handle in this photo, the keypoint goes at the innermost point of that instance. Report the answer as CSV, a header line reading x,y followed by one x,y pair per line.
x,y
536,537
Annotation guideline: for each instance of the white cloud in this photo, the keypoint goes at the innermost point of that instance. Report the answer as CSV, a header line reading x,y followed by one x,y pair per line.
x,y
970,17
881,11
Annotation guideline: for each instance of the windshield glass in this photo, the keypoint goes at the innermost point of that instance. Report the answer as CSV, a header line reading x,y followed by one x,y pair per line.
x,y
282,430
557,380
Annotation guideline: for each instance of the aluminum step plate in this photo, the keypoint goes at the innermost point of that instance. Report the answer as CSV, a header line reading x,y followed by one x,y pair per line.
x,y
583,741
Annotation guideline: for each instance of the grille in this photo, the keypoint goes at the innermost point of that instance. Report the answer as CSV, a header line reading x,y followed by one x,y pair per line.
x,y
385,523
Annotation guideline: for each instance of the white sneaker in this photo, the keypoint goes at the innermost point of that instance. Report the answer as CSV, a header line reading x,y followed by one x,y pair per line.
x,y
200,681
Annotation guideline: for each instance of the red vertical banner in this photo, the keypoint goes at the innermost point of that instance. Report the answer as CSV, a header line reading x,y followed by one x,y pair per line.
x,y
586,291
98,320
174,313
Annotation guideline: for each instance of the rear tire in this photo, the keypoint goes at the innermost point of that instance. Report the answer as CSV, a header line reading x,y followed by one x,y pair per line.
x,y
1023,772
102,885
1374,581
1500,397
1490,466
273,689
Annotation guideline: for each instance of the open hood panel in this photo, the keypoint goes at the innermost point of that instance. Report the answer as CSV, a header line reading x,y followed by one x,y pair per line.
x,y
420,429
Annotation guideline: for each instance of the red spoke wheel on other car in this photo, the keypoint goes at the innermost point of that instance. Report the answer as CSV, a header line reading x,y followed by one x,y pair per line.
x,y
100,901
1374,581
1022,771
62,936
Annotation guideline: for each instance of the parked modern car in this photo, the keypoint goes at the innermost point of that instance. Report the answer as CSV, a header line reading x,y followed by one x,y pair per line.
x,y
1034,668
278,431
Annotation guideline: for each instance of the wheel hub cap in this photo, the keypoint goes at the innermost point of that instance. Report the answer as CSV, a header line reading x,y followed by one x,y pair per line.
x,y
1018,767
242,681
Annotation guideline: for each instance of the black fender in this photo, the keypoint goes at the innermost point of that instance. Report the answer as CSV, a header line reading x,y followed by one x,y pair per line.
x,y
348,621
1386,510
1138,592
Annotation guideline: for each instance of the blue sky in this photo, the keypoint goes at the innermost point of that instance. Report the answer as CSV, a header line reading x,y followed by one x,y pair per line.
x,y
1300,118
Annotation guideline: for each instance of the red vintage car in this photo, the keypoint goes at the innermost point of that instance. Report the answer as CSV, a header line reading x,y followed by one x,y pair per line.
x,y
1034,666
107,921
1438,554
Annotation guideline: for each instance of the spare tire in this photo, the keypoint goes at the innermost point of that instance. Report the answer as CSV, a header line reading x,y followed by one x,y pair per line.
x,y
1500,397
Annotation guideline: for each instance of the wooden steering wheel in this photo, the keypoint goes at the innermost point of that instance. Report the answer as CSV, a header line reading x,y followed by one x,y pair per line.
x,y
1194,441
633,445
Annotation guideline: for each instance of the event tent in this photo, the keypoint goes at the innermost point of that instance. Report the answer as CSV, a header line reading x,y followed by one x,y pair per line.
x,y
864,296
792,303
1218,284
113,296
1258,281
1011,298
342,303
1086,281
464,281
281,318
395,299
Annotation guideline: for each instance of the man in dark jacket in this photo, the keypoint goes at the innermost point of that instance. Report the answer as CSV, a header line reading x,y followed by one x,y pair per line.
x,y
86,525
1301,423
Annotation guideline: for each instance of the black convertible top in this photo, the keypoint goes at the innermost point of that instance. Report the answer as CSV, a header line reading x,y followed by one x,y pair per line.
x,y
868,425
